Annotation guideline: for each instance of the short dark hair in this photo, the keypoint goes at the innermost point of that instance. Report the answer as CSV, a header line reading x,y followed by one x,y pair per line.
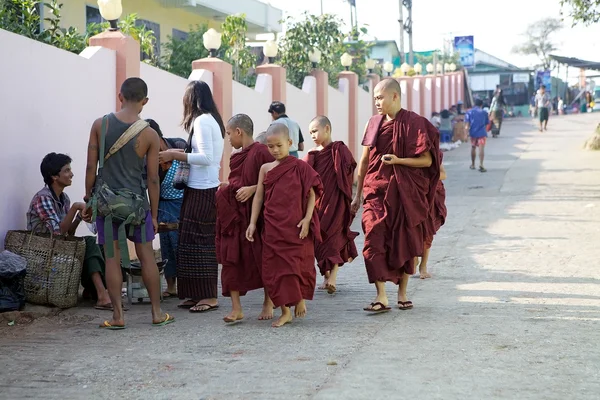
x,y
51,166
278,129
322,120
134,89
277,107
543,87
154,125
478,102
243,122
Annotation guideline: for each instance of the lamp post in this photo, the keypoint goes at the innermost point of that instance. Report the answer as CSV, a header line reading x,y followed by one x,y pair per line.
x,y
404,68
418,68
346,60
315,57
388,67
212,41
111,11
446,67
452,67
370,64
439,69
270,50
429,68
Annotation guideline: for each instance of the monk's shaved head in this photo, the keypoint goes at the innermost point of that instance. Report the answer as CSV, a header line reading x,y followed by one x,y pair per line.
x,y
243,122
277,128
322,121
389,85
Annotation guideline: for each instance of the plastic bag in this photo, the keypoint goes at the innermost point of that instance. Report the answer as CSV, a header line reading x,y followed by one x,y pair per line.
x,y
13,269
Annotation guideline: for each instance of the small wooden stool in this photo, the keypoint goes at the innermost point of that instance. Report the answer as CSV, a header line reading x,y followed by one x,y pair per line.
x,y
136,270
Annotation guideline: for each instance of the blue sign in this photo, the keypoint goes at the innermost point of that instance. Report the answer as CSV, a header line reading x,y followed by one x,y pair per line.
x,y
465,47
543,78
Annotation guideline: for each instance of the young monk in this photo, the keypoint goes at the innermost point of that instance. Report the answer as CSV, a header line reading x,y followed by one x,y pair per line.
x,y
335,165
241,260
289,188
399,171
438,215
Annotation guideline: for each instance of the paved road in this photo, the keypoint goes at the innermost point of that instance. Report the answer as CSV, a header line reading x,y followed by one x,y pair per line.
x,y
512,312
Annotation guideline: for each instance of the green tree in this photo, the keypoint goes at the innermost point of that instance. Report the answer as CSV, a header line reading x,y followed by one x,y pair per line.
x,y
181,53
234,49
584,11
359,49
538,41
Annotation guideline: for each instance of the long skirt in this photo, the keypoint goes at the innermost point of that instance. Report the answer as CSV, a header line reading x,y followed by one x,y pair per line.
x,y
197,267
496,122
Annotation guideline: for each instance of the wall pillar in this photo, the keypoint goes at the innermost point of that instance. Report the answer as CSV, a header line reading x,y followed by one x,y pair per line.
x,y
322,79
349,85
279,75
442,92
422,97
374,79
433,93
128,56
222,93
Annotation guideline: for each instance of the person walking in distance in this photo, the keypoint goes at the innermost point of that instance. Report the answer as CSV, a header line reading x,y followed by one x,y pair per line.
x,y
543,104
475,122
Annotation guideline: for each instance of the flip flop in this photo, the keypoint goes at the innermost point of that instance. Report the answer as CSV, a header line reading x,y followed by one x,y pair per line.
x,y
481,169
472,167
168,319
187,305
382,308
107,325
168,295
405,305
210,308
107,307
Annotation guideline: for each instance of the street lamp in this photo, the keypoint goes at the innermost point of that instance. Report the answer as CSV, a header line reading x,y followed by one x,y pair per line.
x,y
404,68
111,11
452,67
315,57
388,67
446,67
270,50
429,68
346,60
418,68
212,41
370,64
439,68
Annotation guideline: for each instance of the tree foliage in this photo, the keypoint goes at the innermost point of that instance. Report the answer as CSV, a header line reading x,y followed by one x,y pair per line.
x,y
539,41
586,12
181,53
234,49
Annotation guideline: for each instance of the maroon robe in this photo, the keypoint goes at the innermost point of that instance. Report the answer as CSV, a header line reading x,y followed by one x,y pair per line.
x,y
398,199
336,166
289,262
439,210
241,259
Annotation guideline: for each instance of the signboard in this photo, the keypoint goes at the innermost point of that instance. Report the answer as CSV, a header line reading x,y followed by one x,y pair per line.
x,y
465,47
520,78
543,78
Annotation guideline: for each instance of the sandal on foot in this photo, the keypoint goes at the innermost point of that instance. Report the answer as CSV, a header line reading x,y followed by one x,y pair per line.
x,y
481,169
187,304
168,295
168,319
107,307
200,308
380,308
107,325
405,305
472,167
231,320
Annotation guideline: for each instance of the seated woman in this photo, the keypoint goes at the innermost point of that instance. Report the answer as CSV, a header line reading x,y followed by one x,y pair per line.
x,y
51,211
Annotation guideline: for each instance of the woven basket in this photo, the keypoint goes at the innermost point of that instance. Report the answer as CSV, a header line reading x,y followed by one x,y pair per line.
x,y
53,266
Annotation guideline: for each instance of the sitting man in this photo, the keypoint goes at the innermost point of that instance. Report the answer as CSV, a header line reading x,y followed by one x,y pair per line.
x,y
51,212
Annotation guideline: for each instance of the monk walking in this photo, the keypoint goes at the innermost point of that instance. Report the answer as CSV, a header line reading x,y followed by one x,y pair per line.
x,y
288,187
333,161
438,215
398,173
241,260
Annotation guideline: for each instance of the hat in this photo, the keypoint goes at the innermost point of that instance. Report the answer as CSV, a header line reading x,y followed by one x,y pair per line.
x,y
277,107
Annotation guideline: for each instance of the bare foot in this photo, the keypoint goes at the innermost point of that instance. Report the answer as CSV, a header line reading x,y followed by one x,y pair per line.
x,y
323,286
234,316
300,309
424,275
267,312
113,324
285,318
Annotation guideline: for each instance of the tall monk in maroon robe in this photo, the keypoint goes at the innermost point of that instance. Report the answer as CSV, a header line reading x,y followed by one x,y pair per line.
x,y
398,172
438,217
241,260
333,161
288,188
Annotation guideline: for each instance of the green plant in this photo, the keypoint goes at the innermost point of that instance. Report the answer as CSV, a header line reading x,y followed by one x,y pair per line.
x,y
442,59
359,49
234,49
584,11
539,42
180,53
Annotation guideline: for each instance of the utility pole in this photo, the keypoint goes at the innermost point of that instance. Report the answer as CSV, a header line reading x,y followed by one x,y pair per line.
x,y
408,28
321,7
401,22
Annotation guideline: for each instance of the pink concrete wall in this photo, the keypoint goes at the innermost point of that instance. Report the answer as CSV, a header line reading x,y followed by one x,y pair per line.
x,y
253,103
365,111
49,99
301,106
337,115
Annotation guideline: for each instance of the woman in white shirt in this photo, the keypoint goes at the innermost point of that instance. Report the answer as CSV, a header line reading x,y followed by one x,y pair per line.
x,y
197,267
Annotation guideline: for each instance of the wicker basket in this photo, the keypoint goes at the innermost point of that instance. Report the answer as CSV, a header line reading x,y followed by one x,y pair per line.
x,y
53,266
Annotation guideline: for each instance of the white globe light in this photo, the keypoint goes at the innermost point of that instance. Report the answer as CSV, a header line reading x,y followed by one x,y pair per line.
x,y
346,60
418,68
404,68
270,49
211,39
370,63
429,68
452,67
314,56
439,68
388,67
110,10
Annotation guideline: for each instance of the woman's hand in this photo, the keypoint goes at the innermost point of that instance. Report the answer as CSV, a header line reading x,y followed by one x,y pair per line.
x,y
166,156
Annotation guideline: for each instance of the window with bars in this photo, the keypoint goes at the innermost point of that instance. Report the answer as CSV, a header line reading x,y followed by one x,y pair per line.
x,y
180,35
92,15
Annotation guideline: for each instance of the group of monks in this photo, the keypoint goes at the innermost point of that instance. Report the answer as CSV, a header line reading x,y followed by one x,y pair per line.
x,y
277,213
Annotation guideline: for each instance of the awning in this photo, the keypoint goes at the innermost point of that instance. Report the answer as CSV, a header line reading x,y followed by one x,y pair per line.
x,y
576,62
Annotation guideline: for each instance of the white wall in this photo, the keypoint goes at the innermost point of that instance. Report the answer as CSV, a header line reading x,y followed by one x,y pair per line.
x,y
49,99
338,115
254,104
404,97
302,107
416,96
365,111
165,104
428,91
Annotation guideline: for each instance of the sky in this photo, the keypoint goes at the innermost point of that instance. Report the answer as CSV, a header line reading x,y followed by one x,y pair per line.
x,y
496,26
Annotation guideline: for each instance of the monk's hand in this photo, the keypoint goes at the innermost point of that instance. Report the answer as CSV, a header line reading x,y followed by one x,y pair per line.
x,y
355,204
223,185
245,193
250,232
390,159
304,226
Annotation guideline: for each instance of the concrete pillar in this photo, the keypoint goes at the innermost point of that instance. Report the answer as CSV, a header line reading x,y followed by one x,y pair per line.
x,y
422,97
128,56
322,79
374,79
278,73
442,93
222,93
349,85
